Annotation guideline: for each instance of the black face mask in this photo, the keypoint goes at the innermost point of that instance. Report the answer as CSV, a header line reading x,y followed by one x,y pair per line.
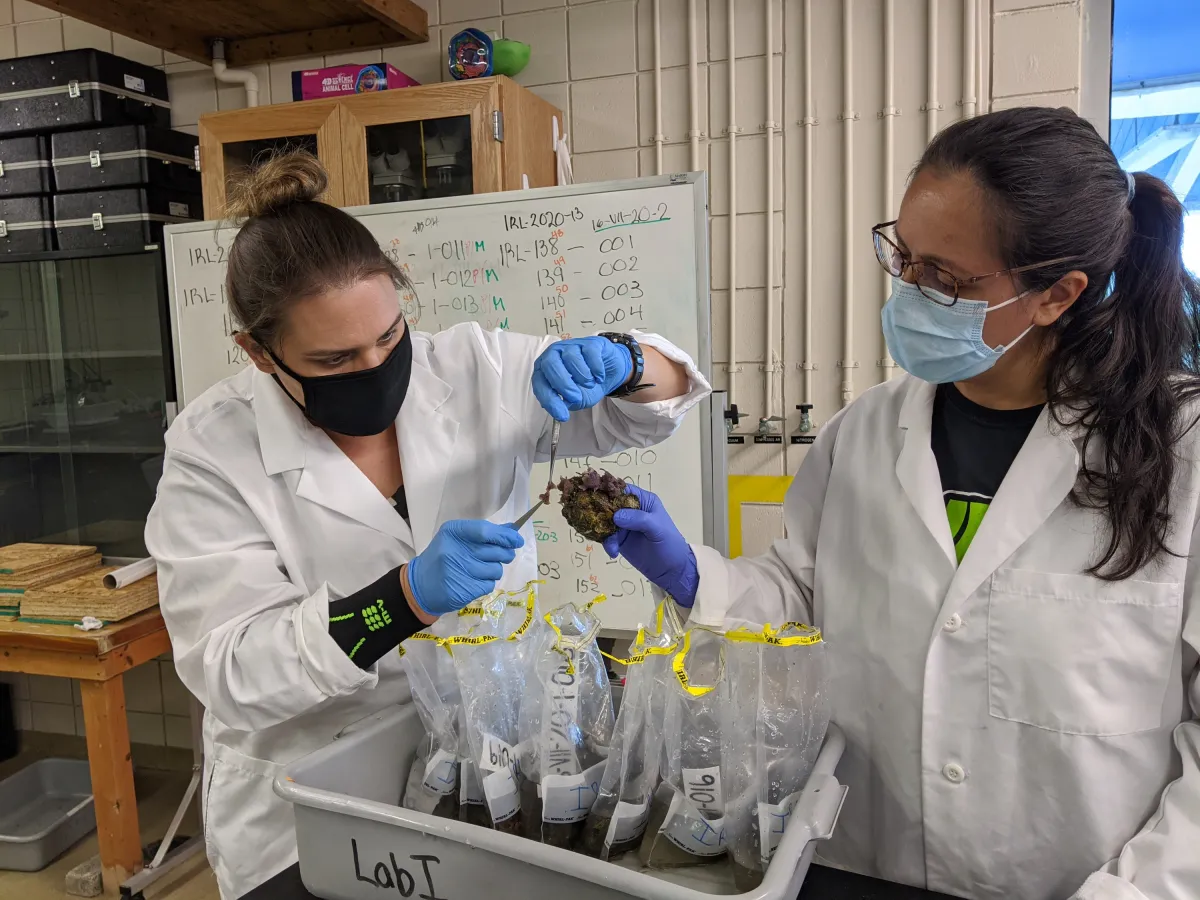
x,y
355,403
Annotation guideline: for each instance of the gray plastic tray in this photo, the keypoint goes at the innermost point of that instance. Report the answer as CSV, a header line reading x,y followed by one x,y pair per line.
x,y
44,810
354,840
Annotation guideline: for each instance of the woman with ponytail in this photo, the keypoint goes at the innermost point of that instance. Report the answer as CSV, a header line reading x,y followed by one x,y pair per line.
x,y
1001,546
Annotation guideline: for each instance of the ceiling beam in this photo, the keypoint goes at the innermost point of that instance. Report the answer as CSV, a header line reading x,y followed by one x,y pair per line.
x,y
1169,100
1158,145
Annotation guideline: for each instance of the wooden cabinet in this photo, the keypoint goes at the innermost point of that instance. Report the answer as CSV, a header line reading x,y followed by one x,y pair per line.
x,y
464,137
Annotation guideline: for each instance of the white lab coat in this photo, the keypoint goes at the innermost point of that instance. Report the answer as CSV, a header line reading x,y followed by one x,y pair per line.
x,y
1015,727
260,520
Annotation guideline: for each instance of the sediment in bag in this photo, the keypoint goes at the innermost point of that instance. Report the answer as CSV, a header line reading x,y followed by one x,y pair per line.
x,y
432,786
619,817
491,661
772,737
686,825
566,725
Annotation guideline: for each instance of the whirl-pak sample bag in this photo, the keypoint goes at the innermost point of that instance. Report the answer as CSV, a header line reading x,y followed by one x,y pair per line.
x,y
433,782
566,726
618,818
687,815
773,733
492,661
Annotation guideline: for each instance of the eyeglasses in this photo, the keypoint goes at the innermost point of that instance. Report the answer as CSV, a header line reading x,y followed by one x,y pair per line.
x,y
931,279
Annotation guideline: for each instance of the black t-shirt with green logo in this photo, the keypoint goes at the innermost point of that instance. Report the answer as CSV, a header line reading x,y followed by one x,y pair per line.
x,y
974,447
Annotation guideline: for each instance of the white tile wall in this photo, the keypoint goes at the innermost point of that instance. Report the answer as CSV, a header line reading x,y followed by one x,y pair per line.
x,y
592,59
547,31
603,39
78,35
44,36
1037,50
24,11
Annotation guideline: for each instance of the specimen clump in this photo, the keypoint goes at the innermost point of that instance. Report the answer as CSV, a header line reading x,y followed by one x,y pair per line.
x,y
589,501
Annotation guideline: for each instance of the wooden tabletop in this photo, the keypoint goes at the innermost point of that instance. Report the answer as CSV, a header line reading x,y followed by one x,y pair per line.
x,y
69,639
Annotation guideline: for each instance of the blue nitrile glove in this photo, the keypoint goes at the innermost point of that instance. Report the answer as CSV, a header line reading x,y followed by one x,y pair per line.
x,y
653,545
463,562
577,373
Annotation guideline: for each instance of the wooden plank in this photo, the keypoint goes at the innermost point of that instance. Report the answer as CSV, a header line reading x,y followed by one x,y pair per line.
x,y
85,666
404,16
111,765
59,665
359,36
69,639
157,29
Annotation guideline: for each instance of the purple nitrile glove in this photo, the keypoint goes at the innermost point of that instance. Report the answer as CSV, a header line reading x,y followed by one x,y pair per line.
x,y
653,545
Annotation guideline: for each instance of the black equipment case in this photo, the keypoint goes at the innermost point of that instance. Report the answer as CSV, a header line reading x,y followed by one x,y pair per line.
x,y
26,225
77,88
24,167
124,218
125,155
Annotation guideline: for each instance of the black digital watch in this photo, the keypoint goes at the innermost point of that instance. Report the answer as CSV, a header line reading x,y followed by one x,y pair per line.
x,y
634,384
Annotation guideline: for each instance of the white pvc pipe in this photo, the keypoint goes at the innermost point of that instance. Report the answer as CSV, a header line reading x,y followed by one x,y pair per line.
x,y
889,115
118,578
769,128
848,117
809,122
970,47
732,131
931,105
658,135
224,74
694,86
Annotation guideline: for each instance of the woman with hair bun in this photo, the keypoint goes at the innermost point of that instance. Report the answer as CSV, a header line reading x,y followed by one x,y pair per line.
x,y
351,486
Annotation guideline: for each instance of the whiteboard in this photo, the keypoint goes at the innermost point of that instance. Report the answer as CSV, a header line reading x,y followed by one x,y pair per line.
x,y
614,256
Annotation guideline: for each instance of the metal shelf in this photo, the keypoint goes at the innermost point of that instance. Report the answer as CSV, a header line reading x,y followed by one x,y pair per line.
x,y
113,449
81,354
58,255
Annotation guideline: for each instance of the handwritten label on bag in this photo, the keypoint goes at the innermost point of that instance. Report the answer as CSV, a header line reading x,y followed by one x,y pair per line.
x,y
559,730
470,791
569,798
773,820
703,790
497,756
690,831
500,788
441,773
628,822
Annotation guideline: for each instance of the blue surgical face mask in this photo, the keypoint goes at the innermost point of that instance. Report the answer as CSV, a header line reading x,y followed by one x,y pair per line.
x,y
937,343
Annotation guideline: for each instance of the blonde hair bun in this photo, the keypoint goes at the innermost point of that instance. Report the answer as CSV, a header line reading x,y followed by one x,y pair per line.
x,y
280,181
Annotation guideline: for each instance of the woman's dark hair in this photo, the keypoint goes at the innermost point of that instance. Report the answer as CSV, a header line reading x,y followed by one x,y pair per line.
x,y
291,245
1122,361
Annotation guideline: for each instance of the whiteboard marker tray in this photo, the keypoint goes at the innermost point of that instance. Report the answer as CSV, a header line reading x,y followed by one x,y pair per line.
x,y
354,840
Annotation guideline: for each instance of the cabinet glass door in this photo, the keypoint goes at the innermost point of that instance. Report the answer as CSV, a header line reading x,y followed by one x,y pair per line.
x,y
421,142
421,159
231,141
84,377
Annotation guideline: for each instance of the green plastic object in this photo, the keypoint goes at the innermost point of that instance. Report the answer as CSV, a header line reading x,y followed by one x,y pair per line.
x,y
509,57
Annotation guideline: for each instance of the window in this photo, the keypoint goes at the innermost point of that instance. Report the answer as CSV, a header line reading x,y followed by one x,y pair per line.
x,y
1155,108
